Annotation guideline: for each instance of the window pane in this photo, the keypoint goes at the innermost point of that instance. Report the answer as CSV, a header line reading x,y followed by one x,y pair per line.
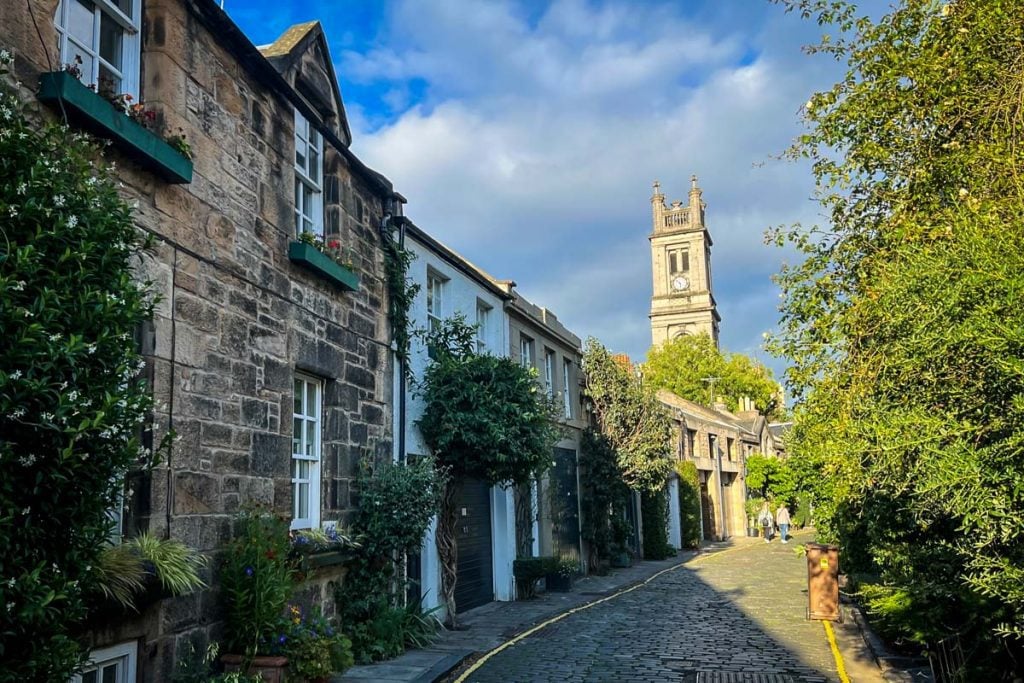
x,y
307,201
303,508
310,437
125,6
110,41
111,81
296,435
314,165
297,393
686,260
311,399
89,677
110,673
74,51
672,267
80,21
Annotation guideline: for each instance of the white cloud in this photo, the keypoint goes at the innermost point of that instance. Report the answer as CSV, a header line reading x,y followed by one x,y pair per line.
x,y
533,150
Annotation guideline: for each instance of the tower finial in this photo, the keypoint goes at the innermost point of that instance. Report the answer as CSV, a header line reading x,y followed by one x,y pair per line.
x,y
693,182
657,187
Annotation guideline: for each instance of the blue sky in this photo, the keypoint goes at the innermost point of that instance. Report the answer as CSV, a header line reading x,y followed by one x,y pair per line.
x,y
526,135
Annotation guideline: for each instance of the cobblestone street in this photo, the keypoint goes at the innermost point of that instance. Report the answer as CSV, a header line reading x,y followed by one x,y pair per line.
x,y
735,615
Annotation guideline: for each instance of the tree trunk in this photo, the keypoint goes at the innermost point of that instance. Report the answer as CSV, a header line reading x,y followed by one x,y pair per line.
x,y
447,550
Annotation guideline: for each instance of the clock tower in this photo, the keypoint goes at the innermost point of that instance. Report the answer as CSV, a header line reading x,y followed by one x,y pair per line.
x,y
681,265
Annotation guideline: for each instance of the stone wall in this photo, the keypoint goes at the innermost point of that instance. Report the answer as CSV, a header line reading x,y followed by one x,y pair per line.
x,y
236,318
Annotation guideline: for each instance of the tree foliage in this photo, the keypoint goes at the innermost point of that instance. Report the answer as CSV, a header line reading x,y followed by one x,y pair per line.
x,y
654,512
904,322
689,503
603,494
770,477
680,365
630,417
72,404
484,418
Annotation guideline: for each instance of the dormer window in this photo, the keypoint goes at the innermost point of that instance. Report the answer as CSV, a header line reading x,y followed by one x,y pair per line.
x,y
101,38
309,203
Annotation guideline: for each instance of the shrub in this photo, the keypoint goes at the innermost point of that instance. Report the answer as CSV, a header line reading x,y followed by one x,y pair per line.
x,y
603,496
689,503
72,404
654,508
315,649
527,572
124,569
257,580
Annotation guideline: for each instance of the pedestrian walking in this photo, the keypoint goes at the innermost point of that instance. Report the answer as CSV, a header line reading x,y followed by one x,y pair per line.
x,y
782,519
766,521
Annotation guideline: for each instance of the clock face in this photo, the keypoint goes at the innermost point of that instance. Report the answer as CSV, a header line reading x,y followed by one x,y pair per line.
x,y
680,283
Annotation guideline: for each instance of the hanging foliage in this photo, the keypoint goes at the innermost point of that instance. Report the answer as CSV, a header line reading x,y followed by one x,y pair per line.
x,y
603,495
401,293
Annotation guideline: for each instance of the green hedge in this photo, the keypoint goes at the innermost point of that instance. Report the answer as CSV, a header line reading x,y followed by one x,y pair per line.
x,y
654,509
689,504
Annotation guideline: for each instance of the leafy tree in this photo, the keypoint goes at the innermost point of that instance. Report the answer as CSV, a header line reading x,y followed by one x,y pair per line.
x,y
630,417
689,503
484,418
654,511
771,478
681,365
604,495
72,403
904,320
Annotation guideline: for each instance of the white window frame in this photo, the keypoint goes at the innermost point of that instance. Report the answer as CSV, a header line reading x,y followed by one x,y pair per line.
x,y
128,70
309,214
125,654
435,299
305,452
566,392
549,372
483,316
525,351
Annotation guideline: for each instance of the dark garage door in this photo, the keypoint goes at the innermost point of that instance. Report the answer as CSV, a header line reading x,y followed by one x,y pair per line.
x,y
475,584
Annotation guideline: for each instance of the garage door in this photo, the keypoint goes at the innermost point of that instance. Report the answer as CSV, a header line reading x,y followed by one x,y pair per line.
x,y
475,583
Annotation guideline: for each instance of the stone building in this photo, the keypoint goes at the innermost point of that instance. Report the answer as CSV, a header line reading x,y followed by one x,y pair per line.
x,y
712,439
538,340
267,359
683,301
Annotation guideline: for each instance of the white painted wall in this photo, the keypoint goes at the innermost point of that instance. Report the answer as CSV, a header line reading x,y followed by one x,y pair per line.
x,y
460,295
675,531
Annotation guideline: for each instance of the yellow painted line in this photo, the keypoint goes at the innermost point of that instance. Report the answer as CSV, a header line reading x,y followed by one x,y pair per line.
x,y
836,654
544,624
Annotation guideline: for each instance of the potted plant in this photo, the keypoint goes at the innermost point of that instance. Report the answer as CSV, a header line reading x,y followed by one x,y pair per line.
x,y
560,574
257,580
314,647
313,548
753,508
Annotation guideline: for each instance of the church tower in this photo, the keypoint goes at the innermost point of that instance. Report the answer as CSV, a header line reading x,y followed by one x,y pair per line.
x,y
681,265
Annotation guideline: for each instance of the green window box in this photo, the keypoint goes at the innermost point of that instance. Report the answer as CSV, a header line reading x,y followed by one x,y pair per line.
x,y
94,113
310,258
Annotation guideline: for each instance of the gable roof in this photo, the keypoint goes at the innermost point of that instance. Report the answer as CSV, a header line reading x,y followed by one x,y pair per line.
x,y
300,47
699,412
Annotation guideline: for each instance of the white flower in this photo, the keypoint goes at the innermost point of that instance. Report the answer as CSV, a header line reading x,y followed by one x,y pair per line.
x,y
10,582
73,395
22,188
963,192
5,57
47,416
91,348
5,112
25,510
54,337
16,374
18,286
58,201
91,180
63,386
27,460
27,313
13,210
10,607
18,412
72,221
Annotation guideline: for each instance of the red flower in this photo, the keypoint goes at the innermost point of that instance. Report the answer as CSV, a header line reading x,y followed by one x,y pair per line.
x,y
334,244
271,554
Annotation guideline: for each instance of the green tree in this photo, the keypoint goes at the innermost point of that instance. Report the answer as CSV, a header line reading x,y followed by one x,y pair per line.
x,y
682,364
72,400
904,320
630,417
484,418
771,478
604,495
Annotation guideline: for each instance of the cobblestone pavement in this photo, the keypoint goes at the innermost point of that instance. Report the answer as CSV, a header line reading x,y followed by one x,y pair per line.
x,y
732,616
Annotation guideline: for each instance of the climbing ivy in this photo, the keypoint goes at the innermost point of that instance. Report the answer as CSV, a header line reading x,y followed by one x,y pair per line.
x,y
401,293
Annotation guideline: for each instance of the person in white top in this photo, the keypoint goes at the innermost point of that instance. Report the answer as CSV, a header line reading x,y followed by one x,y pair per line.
x,y
782,519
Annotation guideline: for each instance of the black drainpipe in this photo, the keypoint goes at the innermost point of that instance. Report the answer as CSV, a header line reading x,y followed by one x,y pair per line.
x,y
385,234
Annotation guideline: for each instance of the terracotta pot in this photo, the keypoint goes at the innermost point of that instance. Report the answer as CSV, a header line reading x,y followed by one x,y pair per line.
x,y
271,668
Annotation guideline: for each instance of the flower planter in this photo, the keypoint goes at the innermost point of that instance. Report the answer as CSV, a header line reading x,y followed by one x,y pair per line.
x,y
558,583
271,669
312,259
753,531
60,89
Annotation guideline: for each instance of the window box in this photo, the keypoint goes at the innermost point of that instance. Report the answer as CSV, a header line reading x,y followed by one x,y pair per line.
x,y
99,116
310,258
327,559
